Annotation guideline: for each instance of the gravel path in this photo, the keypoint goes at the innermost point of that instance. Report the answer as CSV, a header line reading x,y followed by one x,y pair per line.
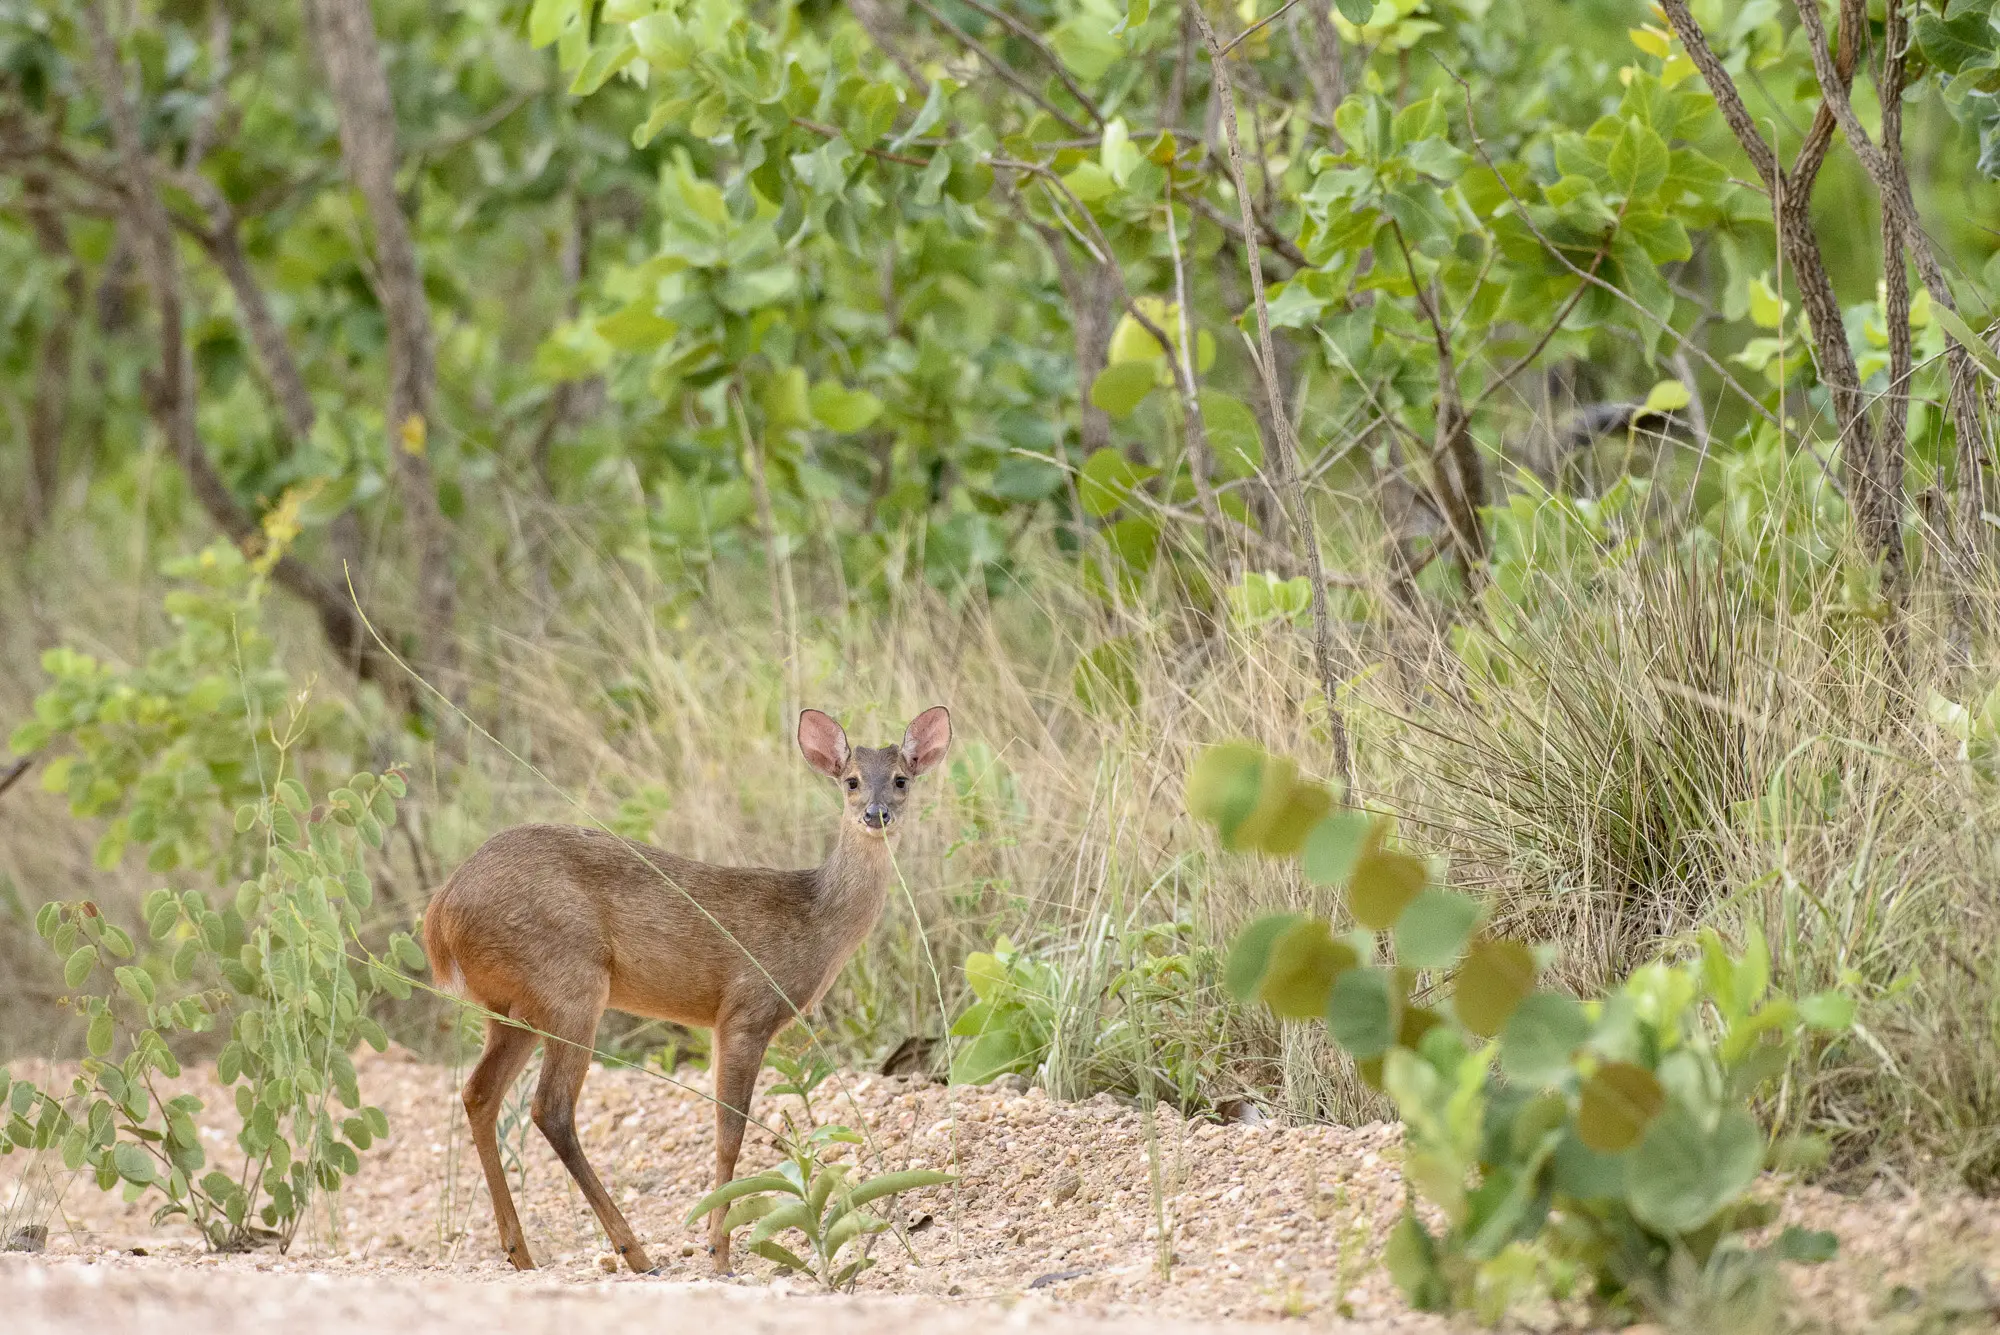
x,y
1059,1210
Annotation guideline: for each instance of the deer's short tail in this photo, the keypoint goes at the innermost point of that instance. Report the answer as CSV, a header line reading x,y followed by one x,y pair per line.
x,y
445,973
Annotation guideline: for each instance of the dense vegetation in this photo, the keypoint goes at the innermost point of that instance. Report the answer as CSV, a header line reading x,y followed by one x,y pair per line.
x,y
1565,427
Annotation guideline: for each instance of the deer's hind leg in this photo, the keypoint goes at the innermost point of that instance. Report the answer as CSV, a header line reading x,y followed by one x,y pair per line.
x,y
565,1062
506,1052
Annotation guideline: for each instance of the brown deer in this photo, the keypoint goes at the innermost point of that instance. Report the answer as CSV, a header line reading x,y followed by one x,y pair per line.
x,y
547,925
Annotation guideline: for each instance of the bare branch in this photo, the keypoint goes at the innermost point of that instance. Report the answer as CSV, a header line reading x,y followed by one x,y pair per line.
x,y
1285,457
1034,39
344,31
1000,67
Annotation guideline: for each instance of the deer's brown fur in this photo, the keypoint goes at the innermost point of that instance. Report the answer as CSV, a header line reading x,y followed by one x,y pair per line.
x,y
548,925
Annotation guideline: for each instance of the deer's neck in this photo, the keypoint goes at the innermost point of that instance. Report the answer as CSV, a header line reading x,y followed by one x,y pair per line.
x,y
853,883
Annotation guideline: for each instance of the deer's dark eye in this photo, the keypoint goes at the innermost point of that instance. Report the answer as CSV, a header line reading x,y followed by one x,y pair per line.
x,y
853,784
902,782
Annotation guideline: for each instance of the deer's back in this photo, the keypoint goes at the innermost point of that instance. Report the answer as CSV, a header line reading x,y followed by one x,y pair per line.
x,y
551,915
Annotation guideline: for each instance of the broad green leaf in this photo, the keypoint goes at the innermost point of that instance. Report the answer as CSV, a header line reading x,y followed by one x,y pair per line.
x,y
1304,962
844,410
78,966
1333,846
1638,161
98,1038
1620,1100
1233,437
1360,1013
1682,1175
1121,387
1383,884
1829,1011
1223,784
1805,1246
1251,955
1540,1037
133,1164
1108,480
1667,396
1434,927
1496,976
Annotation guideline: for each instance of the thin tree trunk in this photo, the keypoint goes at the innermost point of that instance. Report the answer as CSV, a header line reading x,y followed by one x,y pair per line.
x,y
344,31
48,414
172,392
1284,456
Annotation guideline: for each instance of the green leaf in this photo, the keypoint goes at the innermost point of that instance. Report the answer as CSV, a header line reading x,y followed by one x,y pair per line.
x,y
890,1184
133,1164
1434,927
739,1188
78,966
1806,1246
1223,784
1496,976
1360,1013
1682,1175
1666,397
1968,338
1305,961
1829,1011
1358,12
1638,161
293,794
772,1251
1620,1101
1383,884
1105,679
1233,437
1119,389
1334,846
1411,1256
1251,955
792,1214
1540,1037
548,19
99,1036
841,409
136,983
1107,481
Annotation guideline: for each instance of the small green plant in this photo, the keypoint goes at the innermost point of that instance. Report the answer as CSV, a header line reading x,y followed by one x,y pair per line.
x,y
1607,1144
809,1193
1012,1021
274,968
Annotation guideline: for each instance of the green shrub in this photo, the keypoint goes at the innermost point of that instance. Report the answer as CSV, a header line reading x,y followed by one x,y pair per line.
x,y
278,969
1606,1143
164,752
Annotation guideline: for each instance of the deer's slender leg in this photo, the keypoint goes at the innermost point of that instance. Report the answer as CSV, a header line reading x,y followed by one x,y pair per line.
x,y
507,1051
739,1055
565,1062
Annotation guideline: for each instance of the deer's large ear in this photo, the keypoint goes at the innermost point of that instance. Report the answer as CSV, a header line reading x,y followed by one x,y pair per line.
x,y
823,741
927,738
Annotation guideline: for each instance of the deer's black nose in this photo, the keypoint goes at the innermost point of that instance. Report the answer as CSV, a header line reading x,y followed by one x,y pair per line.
x,y
876,816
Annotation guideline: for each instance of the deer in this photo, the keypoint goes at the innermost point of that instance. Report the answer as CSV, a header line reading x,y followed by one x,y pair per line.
x,y
547,926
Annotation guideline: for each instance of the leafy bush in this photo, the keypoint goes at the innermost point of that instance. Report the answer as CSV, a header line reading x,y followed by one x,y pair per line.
x,y
274,967
165,751
1606,1142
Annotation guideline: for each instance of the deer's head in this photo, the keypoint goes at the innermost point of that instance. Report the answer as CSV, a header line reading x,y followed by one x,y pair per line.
x,y
875,780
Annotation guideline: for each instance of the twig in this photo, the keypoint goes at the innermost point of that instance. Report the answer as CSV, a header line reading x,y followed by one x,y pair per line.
x,y
1253,29
997,65
1286,455
831,133
1034,39
13,773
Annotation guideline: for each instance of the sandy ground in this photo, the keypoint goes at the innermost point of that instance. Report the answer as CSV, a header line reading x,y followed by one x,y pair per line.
x,y
1056,1219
